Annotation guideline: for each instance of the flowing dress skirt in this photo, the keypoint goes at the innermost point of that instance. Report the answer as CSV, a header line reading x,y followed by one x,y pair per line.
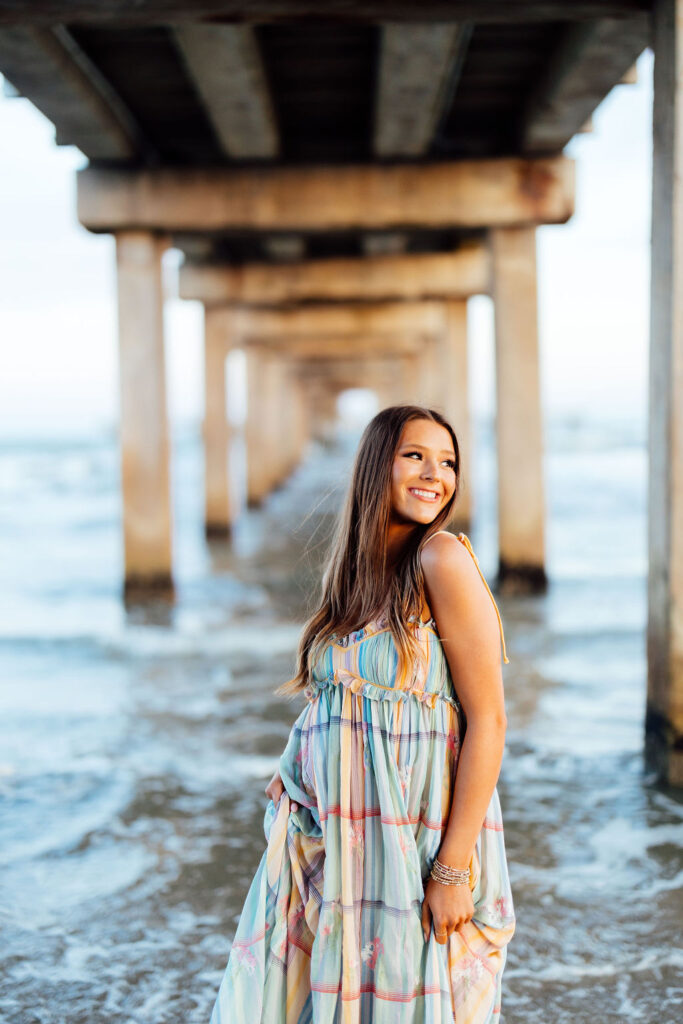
x,y
330,932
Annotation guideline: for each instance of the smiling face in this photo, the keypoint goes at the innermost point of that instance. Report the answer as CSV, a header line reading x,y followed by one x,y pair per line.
x,y
423,472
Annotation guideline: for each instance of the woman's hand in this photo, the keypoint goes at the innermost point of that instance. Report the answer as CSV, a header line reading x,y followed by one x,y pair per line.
x,y
448,906
274,790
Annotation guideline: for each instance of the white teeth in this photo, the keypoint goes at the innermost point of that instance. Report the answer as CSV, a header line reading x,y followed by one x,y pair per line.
x,y
431,495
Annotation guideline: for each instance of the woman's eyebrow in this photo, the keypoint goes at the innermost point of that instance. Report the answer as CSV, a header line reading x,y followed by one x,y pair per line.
x,y
412,444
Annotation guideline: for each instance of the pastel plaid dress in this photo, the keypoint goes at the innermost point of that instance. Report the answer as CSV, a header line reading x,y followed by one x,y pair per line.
x,y
330,932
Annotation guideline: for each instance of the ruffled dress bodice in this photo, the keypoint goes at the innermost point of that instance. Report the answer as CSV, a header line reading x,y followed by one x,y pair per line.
x,y
366,661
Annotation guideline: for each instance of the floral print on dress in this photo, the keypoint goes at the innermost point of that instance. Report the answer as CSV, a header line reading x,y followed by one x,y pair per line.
x,y
245,958
371,951
453,743
464,975
404,773
500,911
404,844
357,836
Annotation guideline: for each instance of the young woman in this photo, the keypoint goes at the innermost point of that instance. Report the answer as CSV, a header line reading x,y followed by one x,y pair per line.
x,y
383,894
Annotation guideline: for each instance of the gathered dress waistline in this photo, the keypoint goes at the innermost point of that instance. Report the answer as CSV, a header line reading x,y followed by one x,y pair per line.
x,y
376,691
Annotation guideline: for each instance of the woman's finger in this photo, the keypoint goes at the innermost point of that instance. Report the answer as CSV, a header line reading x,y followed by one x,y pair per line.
x,y
425,920
275,789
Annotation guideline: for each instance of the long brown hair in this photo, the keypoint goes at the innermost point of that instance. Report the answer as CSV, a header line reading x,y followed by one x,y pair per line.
x,y
356,585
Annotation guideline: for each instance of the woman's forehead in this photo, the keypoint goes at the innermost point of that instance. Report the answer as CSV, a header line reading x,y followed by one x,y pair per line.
x,y
427,434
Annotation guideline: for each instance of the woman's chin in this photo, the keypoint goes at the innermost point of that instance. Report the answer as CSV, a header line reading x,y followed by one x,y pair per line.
x,y
423,515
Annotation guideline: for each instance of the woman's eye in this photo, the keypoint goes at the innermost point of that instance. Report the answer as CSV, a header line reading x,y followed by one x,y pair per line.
x,y
410,454
450,462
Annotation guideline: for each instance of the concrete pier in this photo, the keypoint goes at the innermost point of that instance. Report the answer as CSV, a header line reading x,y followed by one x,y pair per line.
x,y
336,238
519,429
143,427
255,433
453,369
664,716
379,278
219,504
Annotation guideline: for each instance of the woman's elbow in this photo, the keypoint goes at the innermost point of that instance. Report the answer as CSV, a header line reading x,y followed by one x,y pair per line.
x,y
493,722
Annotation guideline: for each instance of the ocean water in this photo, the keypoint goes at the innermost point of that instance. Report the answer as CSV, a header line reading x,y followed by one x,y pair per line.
x,y
135,743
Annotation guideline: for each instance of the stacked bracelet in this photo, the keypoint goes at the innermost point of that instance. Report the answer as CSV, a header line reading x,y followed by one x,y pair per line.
x,y
449,876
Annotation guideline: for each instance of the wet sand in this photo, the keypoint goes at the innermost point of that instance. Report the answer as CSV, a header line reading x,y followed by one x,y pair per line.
x,y
135,748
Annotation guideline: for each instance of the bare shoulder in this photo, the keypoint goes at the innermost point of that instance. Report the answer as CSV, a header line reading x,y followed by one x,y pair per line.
x,y
446,562
459,596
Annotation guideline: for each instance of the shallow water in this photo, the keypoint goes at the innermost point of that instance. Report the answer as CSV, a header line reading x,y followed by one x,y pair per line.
x,y
135,746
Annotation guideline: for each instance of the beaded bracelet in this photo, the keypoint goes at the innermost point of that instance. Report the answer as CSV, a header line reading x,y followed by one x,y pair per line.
x,y
449,876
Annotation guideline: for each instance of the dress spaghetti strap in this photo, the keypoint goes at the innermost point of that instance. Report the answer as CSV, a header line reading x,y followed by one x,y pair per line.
x,y
464,539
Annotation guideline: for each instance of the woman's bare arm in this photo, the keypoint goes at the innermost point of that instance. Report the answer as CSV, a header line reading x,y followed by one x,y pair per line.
x,y
467,624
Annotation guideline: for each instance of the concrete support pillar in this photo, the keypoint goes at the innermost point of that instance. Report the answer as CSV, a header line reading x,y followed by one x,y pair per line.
x,y
295,417
428,382
386,393
521,499
300,418
274,426
407,375
664,717
255,434
277,428
454,400
147,521
219,503
322,399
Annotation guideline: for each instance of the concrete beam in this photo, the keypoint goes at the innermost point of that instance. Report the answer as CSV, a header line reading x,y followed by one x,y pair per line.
x,y
324,321
345,368
592,58
474,193
47,66
160,12
225,65
417,69
631,76
324,349
453,275
384,243
377,373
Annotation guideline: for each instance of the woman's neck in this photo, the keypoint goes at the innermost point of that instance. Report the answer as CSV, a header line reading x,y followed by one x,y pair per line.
x,y
398,536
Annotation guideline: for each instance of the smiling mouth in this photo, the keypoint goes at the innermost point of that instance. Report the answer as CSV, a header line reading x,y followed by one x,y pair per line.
x,y
430,496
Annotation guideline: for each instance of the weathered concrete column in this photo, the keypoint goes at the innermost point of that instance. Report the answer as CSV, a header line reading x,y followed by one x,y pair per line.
x,y
301,417
454,403
258,458
274,427
322,401
266,395
219,503
147,520
664,718
521,499
295,416
386,393
407,375
428,383
284,438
